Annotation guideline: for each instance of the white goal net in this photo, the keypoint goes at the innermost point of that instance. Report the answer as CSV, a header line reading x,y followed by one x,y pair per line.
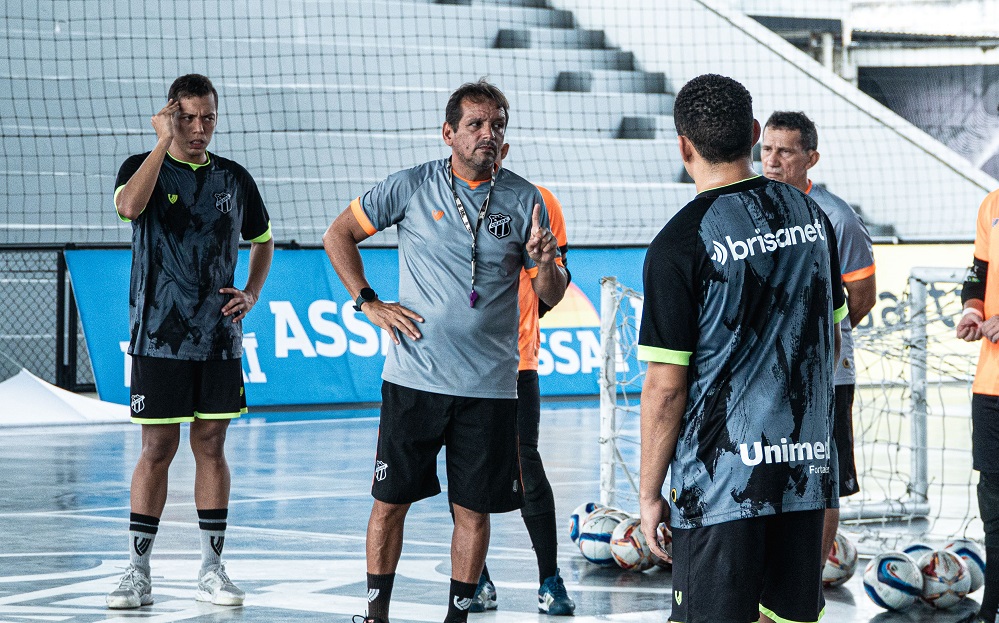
x,y
912,424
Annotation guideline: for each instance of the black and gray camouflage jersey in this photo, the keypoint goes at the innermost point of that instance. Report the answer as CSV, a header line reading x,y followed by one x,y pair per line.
x,y
184,249
743,286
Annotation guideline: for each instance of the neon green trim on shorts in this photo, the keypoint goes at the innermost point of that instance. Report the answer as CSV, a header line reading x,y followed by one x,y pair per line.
x,y
165,420
663,355
841,313
264,237
779,619
219,416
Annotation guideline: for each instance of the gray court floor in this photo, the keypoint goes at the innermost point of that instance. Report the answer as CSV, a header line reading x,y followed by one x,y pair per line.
x,y
296,535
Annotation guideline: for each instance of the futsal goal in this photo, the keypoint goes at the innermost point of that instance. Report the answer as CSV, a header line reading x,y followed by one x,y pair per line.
x,y
912,423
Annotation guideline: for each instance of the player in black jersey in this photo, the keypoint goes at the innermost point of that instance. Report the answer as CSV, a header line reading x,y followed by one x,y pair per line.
x,y
188,210
742,296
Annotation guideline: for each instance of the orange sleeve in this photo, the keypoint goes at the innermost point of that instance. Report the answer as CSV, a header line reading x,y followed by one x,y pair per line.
x,y
556,220
362,218
860,273
986,213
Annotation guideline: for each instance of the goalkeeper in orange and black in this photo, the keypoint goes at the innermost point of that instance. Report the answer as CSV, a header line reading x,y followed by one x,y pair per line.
x,y
980,319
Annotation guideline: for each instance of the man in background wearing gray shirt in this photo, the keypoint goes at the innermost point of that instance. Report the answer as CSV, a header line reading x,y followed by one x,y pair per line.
x,y
466,229
790,143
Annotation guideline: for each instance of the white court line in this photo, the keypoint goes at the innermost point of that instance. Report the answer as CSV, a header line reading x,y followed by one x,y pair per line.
x,y
277,532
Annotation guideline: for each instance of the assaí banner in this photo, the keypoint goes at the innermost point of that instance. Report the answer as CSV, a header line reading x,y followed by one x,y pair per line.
x,y
304,343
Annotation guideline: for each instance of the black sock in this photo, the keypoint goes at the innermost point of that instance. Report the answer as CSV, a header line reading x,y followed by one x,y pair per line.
x,y
990,599
459,600
379,595
543,531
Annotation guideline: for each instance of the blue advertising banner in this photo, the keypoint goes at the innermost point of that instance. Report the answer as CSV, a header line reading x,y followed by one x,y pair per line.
x,y
304,343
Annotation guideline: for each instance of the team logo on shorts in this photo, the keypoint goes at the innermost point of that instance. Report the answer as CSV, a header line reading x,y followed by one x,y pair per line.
x,y
223,202
678,596
138,402
381,469
499,225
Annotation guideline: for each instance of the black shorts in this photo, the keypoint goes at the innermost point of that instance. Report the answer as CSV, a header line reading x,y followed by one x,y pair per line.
x,y
733,571
168,391
843,436
483,462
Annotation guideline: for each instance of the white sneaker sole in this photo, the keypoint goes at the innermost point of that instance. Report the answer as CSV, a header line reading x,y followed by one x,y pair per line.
x,y
219,600
124,603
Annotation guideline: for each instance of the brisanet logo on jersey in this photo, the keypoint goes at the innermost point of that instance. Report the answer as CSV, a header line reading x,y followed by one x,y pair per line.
x,y
785,452
766,243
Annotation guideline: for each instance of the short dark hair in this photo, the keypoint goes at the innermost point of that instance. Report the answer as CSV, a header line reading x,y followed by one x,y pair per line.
x,y
478,91
716,114
192,85
788,120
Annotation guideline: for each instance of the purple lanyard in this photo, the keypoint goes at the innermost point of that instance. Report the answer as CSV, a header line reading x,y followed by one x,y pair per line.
x,y
473,296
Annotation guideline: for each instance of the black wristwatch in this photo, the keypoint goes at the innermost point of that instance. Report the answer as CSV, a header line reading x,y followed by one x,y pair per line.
x,y
366,296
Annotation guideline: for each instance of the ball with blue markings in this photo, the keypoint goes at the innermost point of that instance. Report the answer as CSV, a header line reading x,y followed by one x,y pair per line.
x,y
974,556
595,537
893,581
579,517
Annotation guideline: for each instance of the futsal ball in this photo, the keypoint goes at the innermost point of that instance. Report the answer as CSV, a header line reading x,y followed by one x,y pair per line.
x,y
946,579
973,555
841,563
579,516
916,550
610,510
595,537
628,546
893,580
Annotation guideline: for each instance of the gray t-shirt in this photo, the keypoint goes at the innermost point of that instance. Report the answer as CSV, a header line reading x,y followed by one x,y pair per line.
x,y
184,249
856,258
465,351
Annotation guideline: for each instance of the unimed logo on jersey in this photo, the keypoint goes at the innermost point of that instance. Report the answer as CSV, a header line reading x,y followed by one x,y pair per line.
x,y
785,452
766,243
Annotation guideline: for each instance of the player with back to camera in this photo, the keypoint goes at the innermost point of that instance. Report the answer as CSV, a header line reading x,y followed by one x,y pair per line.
x,y
980,319
465,231
789,150
742,297
538,511
188,208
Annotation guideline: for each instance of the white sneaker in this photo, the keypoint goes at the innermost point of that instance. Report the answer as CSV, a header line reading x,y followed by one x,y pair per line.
x,y
135,589
216,587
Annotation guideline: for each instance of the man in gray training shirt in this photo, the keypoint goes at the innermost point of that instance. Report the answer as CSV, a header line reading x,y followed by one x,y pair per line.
x,y
790,149
466,229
